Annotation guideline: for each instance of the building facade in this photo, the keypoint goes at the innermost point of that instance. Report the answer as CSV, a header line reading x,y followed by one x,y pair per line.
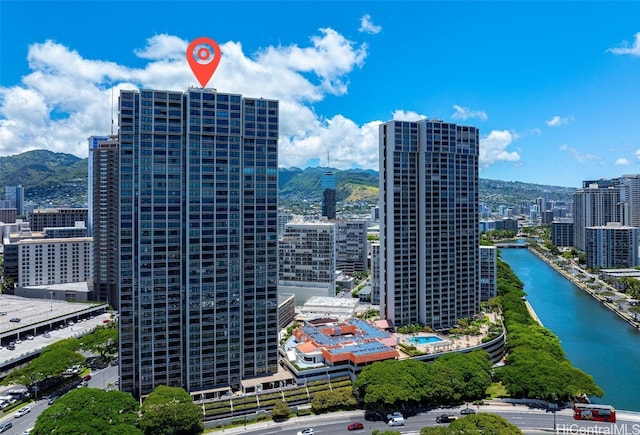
x,y
593,205
612,246
198,239
307,255
103,221
54,261
42,218
429,239
328,186
562,232
488,273
15,197
352,246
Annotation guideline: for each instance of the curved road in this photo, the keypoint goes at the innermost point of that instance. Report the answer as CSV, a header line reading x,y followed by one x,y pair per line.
x,y
530,420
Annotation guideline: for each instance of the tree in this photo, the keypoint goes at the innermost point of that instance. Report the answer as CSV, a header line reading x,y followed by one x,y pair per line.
x,y
90,411
478,424
333,400
170,410
103,341
53,361
280,411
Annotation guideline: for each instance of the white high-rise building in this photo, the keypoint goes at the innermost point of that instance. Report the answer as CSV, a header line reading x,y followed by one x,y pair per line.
x,y
198,240
429,239
307,254
593,206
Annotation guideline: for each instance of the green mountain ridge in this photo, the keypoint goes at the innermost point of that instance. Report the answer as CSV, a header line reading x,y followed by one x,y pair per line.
x,y
45,174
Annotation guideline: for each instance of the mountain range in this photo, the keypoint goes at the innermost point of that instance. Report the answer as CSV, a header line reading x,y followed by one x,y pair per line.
x,y
58,177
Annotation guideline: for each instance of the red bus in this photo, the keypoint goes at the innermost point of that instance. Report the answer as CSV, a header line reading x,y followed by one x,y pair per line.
x,y
595,412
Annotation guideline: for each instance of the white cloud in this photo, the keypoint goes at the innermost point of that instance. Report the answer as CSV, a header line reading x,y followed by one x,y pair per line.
x,y
493,148
622,161
624,48
407,115
466,113
367,26
163,47
557,121
67,98
579,156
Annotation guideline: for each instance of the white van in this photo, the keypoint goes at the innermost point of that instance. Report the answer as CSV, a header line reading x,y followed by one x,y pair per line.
x,y
398,421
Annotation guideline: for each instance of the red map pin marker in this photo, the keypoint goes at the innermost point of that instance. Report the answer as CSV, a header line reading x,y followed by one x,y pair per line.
x,y
203,55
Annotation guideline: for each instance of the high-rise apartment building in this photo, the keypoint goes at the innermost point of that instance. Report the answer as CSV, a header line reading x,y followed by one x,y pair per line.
x,y
307,253
103,221
375,273
562,232
612,245
429,239
352,246
593,205
198,239
328,186
488,272
15,196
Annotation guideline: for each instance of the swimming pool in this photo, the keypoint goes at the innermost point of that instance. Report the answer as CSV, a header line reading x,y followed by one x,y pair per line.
x,y
424,339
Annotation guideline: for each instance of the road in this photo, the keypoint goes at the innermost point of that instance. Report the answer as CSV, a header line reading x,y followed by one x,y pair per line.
x,y
530,420
101,379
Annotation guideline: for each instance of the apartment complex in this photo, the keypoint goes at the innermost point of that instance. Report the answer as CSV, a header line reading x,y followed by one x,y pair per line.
x,y
103,221
593,205
42,218
488,272
198,239
429,239
612,246
352,247
307,253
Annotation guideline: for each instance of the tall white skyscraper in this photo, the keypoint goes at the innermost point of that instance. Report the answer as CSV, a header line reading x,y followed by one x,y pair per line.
x,y
429,240
593,206
198,239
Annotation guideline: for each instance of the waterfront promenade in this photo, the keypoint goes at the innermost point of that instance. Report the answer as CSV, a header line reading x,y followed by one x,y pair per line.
x,y
582,284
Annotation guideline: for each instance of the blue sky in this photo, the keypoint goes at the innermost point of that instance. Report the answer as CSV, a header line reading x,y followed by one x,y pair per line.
x,y
553,86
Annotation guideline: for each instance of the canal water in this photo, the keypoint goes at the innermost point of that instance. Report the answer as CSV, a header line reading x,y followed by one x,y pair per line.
x,y
594,338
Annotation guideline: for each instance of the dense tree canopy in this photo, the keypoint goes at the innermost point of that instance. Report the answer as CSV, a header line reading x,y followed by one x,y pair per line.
x,y
90,411
53,361
537,366
410,384
103,340
478,424
170,410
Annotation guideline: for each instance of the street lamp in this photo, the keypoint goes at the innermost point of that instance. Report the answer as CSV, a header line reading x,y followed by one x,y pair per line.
x,y
51,294
554,407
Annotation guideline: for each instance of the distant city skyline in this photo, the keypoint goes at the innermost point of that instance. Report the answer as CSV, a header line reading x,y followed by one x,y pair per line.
x,y
552,86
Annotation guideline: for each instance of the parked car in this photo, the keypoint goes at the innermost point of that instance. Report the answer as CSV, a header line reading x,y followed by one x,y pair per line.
x,y
5,426
52,399
15,319
22,411
445,418
467,411
46,335
30,337
355,426
86,377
